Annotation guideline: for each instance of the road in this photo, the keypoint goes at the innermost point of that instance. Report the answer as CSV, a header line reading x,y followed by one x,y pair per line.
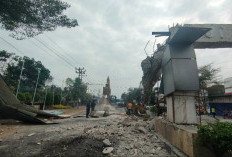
x,y
80,136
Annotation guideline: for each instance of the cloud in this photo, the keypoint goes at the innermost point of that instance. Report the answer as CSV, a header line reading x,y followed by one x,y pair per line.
x,y
112,35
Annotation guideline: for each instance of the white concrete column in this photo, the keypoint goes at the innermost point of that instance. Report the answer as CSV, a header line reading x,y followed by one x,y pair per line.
x,y
184,107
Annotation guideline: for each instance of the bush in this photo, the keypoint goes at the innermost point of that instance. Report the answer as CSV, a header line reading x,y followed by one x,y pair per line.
x,y
153,109
28,98
217,137
49,98
57,99
61,107
21,97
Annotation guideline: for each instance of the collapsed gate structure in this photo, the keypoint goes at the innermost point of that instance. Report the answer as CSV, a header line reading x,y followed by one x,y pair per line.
x,y
11,108
177,61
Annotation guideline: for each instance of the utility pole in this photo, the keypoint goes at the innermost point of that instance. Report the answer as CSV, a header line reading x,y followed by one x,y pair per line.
x,y
61,92
47,81
36,87
45,97
53,98
80,72
19,80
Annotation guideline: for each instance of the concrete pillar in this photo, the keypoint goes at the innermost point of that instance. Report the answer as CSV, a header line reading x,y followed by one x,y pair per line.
x,y
184,107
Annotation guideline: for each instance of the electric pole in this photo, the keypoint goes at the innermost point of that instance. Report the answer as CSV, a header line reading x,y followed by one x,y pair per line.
x,y
20,79
61,92
80,72
36,87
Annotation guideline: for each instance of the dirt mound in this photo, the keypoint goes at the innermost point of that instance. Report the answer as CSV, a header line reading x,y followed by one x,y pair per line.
x,y
81,146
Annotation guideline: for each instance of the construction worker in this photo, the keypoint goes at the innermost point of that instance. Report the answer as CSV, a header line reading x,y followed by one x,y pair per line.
x,y
93,104
129,108
88,105
213,112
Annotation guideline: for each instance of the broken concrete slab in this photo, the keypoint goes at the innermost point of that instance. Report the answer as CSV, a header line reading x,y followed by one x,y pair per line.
x,y
31,134
107,142
107,150
10,107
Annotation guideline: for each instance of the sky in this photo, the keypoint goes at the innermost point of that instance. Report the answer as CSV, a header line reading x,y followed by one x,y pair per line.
x,y
111,38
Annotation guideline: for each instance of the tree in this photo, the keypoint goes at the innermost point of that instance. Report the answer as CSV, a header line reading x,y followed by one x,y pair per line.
x,y
207,76
28,97
76,90
21,97
4,60
49,98
28,18
57,99
133,94
29,75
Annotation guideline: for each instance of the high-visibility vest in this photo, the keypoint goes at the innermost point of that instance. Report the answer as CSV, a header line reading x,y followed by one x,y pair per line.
x,y
213,110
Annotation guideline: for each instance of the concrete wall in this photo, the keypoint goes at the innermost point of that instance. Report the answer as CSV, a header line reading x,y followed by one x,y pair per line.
x,y
184,107
181,137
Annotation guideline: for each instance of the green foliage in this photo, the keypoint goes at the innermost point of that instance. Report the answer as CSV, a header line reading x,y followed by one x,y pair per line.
x,y
133,94
37,97
153,97
5,57
153,109
57,99
28,18
208,75
75,90
21,97
28,98
49,99
61,106
29,75
216,136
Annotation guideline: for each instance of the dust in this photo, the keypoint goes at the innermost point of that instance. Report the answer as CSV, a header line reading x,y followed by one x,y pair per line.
x,y
110,108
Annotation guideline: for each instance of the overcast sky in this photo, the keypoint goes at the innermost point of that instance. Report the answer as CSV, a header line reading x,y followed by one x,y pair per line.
x,y
111,36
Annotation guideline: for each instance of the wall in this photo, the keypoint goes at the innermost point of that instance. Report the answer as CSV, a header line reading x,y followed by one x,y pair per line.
x,y
182,137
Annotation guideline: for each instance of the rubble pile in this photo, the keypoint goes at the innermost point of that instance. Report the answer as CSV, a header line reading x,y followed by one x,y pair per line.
x,y
131,136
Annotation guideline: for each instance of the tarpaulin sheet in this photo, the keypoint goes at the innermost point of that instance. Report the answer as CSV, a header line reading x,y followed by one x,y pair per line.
x,y
221,108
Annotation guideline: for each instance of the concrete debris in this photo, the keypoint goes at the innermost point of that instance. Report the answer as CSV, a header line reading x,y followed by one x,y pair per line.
x,y
31,134
86,130
107,150
1,140
142,130
2,147
132,137
107,142
158,148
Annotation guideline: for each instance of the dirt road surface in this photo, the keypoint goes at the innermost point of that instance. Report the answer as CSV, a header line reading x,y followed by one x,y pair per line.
x,y
115,135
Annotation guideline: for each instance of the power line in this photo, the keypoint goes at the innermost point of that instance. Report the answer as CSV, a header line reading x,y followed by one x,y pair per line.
x,y
70,57
59,51
58,55
39,47
12,46
66,54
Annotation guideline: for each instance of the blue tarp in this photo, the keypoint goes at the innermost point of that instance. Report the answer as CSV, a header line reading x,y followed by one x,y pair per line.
x,y
221,108
56,112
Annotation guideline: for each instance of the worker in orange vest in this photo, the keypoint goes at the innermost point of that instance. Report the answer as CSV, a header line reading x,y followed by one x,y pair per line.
x,y
129,108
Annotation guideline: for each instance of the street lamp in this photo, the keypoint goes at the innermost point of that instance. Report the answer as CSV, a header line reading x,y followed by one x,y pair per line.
x,y
36,87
